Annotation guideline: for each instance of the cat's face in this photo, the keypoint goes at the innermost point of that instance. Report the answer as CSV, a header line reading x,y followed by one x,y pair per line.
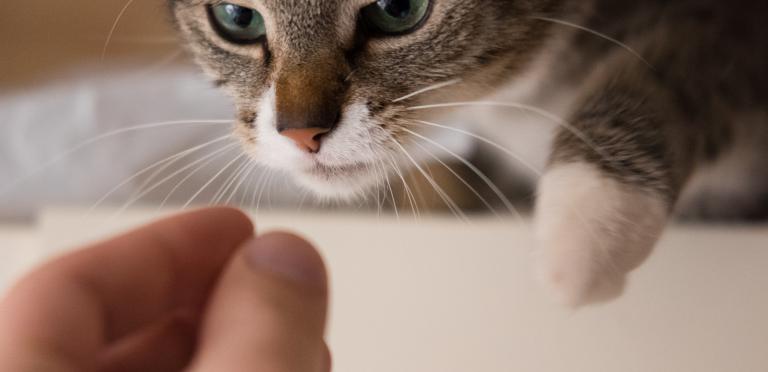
x,y
318,83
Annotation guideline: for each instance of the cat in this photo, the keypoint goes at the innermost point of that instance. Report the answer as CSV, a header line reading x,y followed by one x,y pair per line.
x,y
660,106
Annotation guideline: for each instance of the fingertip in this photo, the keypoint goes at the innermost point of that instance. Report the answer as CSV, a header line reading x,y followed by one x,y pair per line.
x,y
232,217
202,230
269,309
289,256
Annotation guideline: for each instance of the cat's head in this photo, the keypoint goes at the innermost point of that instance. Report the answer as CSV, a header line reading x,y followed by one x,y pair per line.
x,y
320,84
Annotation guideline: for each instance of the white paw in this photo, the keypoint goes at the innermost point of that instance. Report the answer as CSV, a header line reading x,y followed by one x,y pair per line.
x,y
575,276
592,232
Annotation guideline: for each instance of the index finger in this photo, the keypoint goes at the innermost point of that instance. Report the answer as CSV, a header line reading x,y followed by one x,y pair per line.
x,y
76,305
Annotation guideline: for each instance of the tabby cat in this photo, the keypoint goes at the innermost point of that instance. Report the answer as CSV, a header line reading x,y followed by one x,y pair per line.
x,y
660,105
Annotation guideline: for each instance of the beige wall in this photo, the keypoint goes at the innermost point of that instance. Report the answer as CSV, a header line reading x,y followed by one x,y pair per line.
x,y
40,40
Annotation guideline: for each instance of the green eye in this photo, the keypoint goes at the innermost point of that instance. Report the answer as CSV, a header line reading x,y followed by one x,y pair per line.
x,y
237,24
395,17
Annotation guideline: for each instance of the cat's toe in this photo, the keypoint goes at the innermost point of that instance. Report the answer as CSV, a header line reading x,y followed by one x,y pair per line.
x,y
576,284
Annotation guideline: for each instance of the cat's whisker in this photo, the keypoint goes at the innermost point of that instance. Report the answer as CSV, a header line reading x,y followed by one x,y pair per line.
x,y
349,76
440,192
266,184
373,168
160,64
371,193
270,187
243,179
152,177
598,34
153,166
114,28
374,191
303,199
381,186
459,178
520,106
249,177
382,173
136,128
408,193
249,196
363,196
381,196
494,188
385,174
257,186
83,144
488,141
212,180
204,160
427,89
228,183
229,180
388,185
418,195
136,40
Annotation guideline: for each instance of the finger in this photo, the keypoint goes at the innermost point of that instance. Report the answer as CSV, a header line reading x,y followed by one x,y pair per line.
x,y
75,306
327,363
167,346
268,312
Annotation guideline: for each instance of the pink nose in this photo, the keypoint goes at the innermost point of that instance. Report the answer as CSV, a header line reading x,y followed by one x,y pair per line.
x,y
308,139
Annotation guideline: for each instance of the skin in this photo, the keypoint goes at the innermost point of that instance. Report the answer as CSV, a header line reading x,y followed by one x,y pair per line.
x,y
195,292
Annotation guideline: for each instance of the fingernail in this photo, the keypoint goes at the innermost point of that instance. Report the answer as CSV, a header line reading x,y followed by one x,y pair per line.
x,y
288,256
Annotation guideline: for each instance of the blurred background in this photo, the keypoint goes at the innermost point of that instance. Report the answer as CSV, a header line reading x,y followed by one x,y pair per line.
x,y
70,105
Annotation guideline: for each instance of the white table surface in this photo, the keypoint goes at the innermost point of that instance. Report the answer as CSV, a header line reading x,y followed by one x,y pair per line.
x,y
439,295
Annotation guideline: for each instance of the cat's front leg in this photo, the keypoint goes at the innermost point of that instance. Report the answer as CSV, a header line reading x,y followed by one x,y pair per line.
x,y
615,172
592,231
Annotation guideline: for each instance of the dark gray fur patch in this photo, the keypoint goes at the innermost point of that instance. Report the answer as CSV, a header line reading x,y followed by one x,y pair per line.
x,y
247,117
658,125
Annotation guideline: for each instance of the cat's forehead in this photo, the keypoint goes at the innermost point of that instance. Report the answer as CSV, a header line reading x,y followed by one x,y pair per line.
x,y
311,4
306,22
302,10
297,10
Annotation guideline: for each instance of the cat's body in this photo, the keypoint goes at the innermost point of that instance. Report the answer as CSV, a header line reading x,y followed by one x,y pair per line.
x,y
673,94
708,56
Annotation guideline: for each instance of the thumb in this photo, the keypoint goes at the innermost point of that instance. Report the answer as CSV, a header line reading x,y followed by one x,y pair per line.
x,y
268,312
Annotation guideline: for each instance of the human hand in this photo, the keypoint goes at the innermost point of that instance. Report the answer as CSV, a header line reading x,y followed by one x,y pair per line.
x,y
195,292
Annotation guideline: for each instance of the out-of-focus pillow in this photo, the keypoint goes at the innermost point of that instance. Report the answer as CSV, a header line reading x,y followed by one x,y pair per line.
x,y
37,126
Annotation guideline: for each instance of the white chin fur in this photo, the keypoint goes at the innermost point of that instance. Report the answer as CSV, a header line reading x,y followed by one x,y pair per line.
x,y
352,142
337,187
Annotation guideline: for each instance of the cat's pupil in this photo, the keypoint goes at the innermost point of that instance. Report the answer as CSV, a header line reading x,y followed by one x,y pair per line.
x,y
240,16
396,8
